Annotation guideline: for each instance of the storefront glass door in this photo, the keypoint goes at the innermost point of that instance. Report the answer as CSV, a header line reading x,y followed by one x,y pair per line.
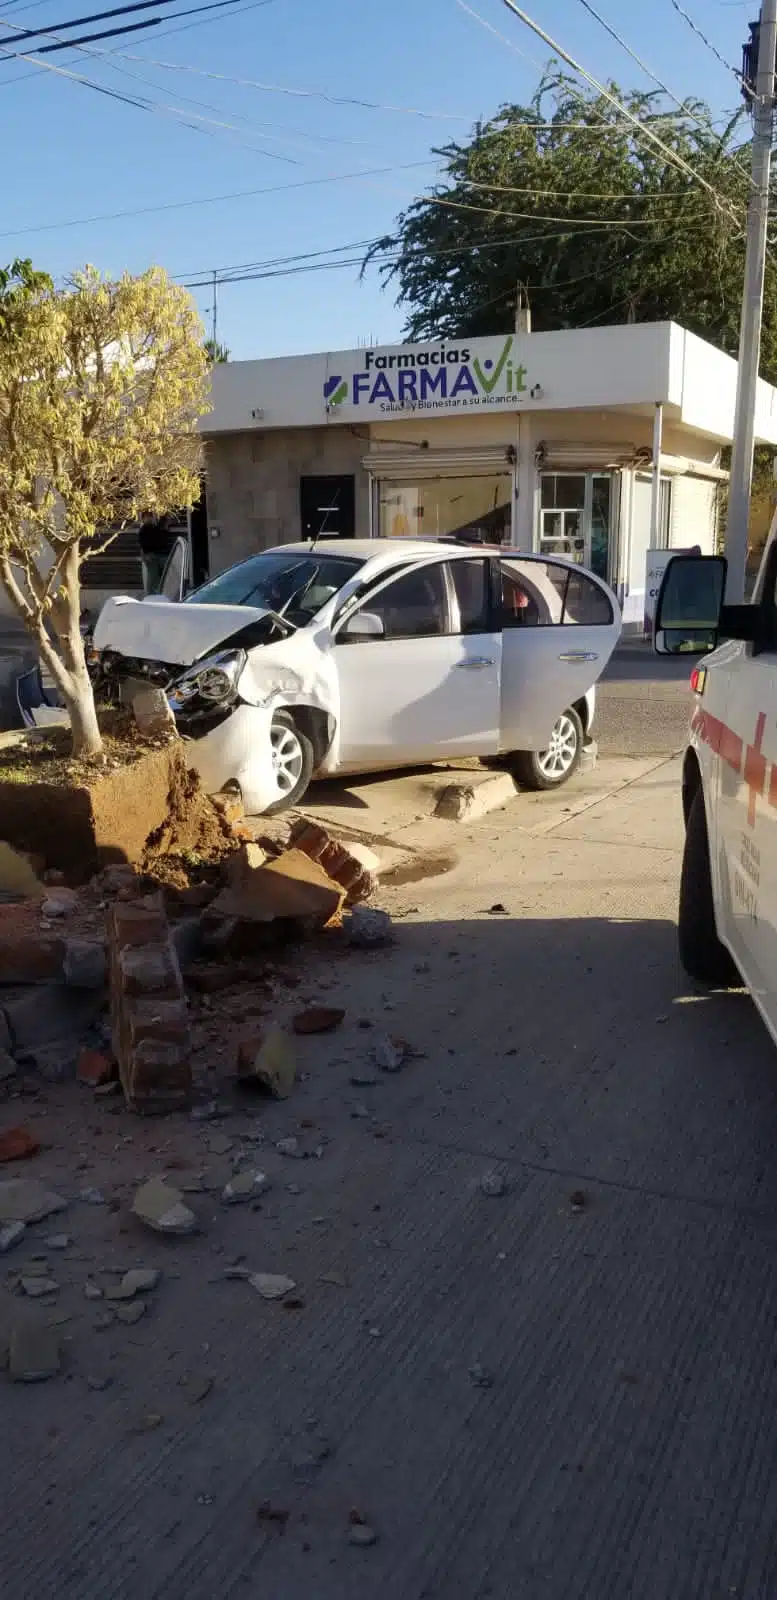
x,y
478,507
576,518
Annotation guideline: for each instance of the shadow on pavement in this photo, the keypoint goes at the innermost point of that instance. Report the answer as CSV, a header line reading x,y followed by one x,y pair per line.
x,y
565,1390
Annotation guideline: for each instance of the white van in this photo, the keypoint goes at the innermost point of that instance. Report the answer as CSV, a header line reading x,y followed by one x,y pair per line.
x,y
728,891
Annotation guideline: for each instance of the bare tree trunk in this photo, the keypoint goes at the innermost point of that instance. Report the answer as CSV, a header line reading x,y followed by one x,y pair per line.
x,y
79,699
75,683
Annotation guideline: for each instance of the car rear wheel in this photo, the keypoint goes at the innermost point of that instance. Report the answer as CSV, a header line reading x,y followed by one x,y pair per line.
x,y
292,760
701,952
548,769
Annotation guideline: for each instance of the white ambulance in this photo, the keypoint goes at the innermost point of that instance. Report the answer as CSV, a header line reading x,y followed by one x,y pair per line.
x,y
728,891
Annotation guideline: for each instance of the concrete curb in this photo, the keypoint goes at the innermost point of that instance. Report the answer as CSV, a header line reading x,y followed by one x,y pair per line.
x,y
467,802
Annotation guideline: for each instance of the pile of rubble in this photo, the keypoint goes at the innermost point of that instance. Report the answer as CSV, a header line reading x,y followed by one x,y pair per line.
x,y
95,981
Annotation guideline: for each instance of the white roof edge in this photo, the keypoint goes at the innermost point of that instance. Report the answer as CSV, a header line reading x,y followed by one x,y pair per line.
x,y
615,367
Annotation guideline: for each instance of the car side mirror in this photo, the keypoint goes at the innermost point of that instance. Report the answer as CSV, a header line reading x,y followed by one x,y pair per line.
x,y
362,625
690,608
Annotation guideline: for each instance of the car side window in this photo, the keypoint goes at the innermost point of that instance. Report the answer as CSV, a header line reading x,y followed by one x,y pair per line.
x,y
414,606
471,587
543,594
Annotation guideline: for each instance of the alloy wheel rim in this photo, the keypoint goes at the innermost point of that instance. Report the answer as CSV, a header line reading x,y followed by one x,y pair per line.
x,y
556,761
286,758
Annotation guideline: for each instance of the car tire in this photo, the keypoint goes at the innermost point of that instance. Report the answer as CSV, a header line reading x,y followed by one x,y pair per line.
x,y
293,760
701,952
549,769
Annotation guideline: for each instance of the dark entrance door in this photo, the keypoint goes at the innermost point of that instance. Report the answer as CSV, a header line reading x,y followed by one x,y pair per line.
x,y
198,527
327,506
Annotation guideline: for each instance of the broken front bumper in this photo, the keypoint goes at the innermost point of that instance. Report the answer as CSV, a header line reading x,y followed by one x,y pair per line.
x,y
236,751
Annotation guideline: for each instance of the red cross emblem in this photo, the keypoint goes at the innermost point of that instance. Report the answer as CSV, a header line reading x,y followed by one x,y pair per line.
x,y
755,768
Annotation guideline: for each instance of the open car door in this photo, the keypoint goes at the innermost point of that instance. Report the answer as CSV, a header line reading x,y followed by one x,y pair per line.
x,y
560,626
174,580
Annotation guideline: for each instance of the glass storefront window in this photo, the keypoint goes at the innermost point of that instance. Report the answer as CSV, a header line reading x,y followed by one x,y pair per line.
x,y
562,503
562,491
476,508
575,518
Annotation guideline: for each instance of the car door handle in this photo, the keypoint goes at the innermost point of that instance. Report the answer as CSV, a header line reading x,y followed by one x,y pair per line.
x,y
579,655
475,661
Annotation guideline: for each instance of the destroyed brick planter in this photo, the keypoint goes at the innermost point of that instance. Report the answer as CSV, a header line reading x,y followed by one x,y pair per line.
x,y
339,861
149,1019
81,827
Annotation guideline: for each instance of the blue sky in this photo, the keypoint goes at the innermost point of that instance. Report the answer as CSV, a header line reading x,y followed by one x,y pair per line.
x,y
74,154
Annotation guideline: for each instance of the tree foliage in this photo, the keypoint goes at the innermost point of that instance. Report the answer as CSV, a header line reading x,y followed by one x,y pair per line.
x,y
217,353
102,385
564,197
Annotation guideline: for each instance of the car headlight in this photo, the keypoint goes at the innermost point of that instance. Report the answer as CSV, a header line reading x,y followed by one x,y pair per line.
x,y
215,679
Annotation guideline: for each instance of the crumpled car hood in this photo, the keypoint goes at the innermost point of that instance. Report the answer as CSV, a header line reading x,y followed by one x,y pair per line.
x,y
167,630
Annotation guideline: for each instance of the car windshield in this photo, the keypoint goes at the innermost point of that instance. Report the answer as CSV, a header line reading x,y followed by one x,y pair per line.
x,y
295,585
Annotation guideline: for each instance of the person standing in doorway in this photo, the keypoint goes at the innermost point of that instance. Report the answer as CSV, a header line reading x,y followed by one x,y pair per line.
x,y
156,539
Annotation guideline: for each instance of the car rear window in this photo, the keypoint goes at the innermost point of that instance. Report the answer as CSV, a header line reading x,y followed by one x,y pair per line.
x,y
543,594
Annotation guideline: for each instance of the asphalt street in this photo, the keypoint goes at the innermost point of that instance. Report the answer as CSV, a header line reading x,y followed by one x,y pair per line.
x,y
643,703
530,1348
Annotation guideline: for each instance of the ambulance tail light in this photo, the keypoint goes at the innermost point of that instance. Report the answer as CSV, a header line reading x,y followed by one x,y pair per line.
x,y
698,679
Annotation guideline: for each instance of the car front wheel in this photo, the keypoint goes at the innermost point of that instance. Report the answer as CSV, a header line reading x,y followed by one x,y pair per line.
x,y
701,952
548,769
292,761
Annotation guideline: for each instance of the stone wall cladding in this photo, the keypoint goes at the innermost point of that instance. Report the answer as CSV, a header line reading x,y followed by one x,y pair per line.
x,y
254,485
149,1017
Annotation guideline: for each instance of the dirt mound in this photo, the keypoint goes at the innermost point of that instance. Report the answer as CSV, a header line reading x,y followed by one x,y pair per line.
x,y
194,838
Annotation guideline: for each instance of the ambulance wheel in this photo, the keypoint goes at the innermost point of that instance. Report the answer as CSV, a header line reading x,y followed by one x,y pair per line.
x,y
701,952
293,761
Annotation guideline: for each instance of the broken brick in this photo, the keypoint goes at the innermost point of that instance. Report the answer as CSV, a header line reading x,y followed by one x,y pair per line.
x,y
138,922
26,954
318,1019
153,970
95,1069
338,861
293,888
17,1144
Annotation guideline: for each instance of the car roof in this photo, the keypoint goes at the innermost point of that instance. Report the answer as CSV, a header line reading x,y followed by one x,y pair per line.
x,y
385,551
365,549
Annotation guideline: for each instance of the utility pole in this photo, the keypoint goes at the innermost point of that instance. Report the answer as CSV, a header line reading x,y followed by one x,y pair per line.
x,y
522,309
752,304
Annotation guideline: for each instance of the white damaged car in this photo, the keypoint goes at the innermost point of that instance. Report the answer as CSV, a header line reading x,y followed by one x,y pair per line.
x,y
357,655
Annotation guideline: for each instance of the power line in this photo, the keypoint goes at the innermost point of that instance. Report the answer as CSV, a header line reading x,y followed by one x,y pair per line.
x,y
212,199
212,5
704,123
580,194
643,66
644,129
304,94
694,27
84,38
58,28
293,265
189,119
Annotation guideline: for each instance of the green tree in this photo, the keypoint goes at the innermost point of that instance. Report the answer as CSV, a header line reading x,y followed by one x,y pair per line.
x,y
216,353
102,385
563,197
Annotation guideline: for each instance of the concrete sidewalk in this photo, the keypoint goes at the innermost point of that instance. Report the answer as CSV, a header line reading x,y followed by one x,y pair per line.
x,y
556,1383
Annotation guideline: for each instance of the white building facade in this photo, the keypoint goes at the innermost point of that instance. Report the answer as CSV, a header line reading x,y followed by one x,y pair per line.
x,y
599,444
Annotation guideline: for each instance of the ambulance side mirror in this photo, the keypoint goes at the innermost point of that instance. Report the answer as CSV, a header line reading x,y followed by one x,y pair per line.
x,y
689,613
